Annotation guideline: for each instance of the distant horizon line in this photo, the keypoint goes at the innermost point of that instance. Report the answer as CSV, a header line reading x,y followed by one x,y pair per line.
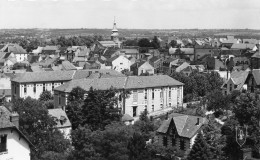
x,y
137,28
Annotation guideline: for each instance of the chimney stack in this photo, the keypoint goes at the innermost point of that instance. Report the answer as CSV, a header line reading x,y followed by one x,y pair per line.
x,y
198,121
14,118
167,116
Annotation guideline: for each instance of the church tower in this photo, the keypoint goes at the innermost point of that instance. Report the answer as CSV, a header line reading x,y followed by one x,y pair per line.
x,y
114,35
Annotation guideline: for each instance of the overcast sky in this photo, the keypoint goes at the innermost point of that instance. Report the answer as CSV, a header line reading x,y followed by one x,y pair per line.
x,y
142,14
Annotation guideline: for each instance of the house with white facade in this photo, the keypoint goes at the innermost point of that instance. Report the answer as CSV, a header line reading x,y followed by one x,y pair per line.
x,y
151,93
143,67
14,145
34,83
18,51
62,121
119,63
179,131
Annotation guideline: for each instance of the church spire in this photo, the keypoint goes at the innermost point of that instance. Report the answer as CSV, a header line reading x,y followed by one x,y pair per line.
x,y
114,35
114,26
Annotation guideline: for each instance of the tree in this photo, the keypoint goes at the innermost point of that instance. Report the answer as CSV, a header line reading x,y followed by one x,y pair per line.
x,y
144,42
108,144
137,148
217,102
100,108
214,139
46,96
155,43
200,149
129,42
215,81
39,127
173,44
76,94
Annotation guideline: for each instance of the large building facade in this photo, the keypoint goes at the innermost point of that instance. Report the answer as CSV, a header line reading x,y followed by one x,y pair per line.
x,y
151,93
32,84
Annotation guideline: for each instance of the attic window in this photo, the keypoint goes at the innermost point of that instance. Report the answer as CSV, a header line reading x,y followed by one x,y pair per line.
x,y
62,120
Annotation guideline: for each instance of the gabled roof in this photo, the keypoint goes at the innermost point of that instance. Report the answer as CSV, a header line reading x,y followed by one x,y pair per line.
x,y
154,59
130,82
185,124
182,67
5,123
129,51
59,115
256,55
230,41
256,74
127,117
251,41
14,48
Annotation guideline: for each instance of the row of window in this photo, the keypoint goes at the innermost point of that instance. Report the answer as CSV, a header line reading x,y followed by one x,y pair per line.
x,y
34,87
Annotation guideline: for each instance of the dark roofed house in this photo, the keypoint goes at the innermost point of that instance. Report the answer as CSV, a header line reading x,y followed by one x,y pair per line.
x,y
18,51
253,81
179,131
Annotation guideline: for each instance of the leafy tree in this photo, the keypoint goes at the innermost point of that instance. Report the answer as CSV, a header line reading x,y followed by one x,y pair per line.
x,y
108,144
173,44
215,81
155,43
217,102
99,108
39,127
214,139
77,94
137,148
46,96
144,42
200,149
131,42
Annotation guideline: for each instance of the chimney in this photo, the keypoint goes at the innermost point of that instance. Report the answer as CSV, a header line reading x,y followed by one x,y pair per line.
x,y
14,118
198,121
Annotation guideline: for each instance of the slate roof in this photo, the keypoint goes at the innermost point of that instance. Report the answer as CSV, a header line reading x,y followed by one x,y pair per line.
x,y
230,41
154,59
184,124
131,82
60,115
251,41
129,51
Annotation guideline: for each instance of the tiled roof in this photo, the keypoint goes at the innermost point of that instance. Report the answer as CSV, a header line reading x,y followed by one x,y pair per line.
x,y
242,46
60,115
153,59
182,67
129,51
256,55
256,74
6,92
96,83
5,123
131,82
112,58
44,76
127,117
150,81
230,41
66,65
252,41
185,50
239,78
184,124
14,48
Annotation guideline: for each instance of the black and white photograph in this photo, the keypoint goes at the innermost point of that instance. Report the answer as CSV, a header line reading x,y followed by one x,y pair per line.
x,y
129,80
